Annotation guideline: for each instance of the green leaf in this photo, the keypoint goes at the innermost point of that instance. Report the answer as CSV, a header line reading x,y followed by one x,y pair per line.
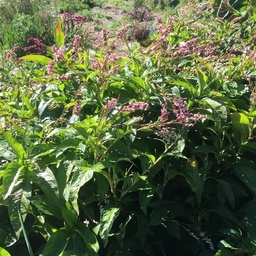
x,y
102,186
173,228
46,205
59,35
108,216
229,193
245,170
192,176
5,151
50,179
224,252
145,197
219,107
11,178
163,209
37,58
241,127
69,216
67,144
3,252
17,213
147,160
88,237
47,182
139,81
16,146
202,81
82,174
184,84
57,242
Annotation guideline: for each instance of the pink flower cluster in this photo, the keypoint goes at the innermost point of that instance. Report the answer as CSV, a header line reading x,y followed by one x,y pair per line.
x,y
58,53
76,44
186,48
11,54
36,46
122,32
76,19
76,109
164,114
182,114
179,108
134,106
111,104
164,132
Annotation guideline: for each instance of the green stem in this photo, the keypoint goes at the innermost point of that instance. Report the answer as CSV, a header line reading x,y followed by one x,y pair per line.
x,y
25,234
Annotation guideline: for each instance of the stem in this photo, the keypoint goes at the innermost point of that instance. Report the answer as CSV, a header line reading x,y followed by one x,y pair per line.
x,y
25,234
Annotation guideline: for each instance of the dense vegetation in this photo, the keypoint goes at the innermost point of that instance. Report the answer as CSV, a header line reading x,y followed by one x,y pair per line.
x,y
139,141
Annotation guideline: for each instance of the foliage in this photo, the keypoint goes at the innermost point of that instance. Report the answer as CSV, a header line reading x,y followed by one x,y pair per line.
x,y
142,152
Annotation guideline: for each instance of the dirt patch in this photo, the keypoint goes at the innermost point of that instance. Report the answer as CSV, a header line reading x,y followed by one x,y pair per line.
x,y
107,23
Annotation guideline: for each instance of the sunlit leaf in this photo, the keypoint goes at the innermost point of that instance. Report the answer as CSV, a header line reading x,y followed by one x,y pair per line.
x,y
3,252
108,216
241,127
59,35
82,174
88,237
37,58
57,242
15,145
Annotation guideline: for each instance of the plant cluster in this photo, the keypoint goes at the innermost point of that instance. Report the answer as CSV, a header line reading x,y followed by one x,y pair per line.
x,y
150,151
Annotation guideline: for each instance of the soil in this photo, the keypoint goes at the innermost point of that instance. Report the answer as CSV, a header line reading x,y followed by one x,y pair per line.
x,y
106,21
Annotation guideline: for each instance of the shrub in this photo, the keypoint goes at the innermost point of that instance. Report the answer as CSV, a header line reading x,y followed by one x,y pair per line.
x,y
145,153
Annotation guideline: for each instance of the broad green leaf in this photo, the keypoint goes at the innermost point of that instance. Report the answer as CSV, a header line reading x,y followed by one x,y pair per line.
x,y
139,81
251,229
82,174
193,178
249,209
202,81
3,235
3,252
245,170
219,107
44,103
46,205
59,35
5,151
229,193
142,228
224,252
37,58
173,228
67,144
72,253
48,184
88,237
108,216
68,215
145,197
102,186
163,209
12,175
225,244
15,145
147,161
183,83
57,242
17,213
49,177
241,127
